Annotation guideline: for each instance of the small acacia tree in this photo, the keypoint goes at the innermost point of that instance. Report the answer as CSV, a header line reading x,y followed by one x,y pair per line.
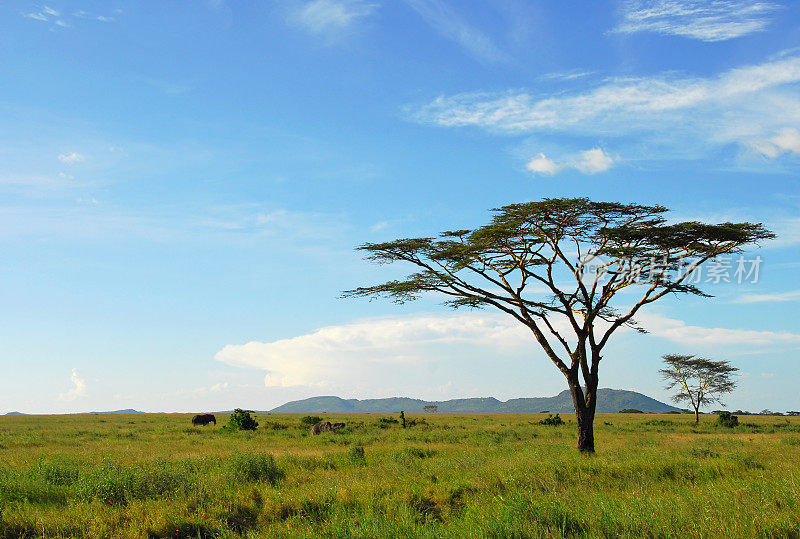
x,y
557,266
699,380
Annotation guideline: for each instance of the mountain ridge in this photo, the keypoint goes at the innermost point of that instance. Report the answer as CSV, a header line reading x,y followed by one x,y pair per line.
x,y
608,401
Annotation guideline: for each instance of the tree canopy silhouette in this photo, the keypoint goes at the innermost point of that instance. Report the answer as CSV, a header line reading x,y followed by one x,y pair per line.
x,y
556,266
699,380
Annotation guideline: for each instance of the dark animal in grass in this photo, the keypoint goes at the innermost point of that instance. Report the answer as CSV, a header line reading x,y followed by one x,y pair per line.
x,y
322,426
337,426
204,419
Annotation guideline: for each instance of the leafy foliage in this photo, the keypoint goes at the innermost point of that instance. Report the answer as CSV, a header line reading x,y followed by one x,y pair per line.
x,y
552,420
727,419
699,380
241,420
524,263
310,420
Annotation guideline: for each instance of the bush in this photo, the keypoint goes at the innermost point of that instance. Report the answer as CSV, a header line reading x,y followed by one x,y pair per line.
x,y
255,467
310,420
727,419
630,411
241,420
356,454
552,420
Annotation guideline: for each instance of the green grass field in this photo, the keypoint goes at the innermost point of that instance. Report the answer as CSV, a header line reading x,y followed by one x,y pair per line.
x,y
451,476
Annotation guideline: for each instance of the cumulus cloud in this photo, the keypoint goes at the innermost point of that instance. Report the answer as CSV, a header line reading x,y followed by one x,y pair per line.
x,y
377,352
588,162
70,158
704,20
543,165
337,355
330,17
78,390
593,161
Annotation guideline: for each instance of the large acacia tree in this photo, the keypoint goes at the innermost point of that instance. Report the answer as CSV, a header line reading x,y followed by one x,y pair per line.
x,y
557,266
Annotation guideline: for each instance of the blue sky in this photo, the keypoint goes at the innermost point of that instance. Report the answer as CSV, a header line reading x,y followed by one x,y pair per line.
x,y
182,186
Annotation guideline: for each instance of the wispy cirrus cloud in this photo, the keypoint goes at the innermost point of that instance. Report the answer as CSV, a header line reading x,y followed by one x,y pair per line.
x,y
779,297
48,14
684,114
704,20
787,140
330,18
451,25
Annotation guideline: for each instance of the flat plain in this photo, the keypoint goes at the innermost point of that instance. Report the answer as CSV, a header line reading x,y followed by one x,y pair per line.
x,y
459,475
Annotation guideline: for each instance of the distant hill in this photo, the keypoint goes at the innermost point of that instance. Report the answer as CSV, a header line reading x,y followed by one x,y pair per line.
x,y
609,401
15,413
125,411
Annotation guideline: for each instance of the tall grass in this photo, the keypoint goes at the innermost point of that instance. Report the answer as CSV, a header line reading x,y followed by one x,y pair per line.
x,y
451,476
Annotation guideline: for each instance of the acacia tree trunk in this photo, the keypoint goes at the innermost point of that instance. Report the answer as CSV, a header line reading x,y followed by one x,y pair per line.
x,y
584,400
696,416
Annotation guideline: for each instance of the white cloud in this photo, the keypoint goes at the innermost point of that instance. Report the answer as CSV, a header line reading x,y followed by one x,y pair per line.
x,y
330,17
588,162
793,295
615,104
336,356
679,116
50,11
593,161
36,16
543,165
705,20
680,332
787,140
78,391
70,158
371,352
450,24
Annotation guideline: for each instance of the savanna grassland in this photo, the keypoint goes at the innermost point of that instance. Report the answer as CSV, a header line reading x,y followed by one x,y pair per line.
x,y
502,475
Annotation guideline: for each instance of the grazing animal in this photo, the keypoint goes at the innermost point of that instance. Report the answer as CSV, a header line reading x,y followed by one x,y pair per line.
x,y
204,419
322,426
337,426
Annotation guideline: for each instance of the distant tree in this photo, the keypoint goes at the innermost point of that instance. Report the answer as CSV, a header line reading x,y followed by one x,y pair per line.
x,y
630,411
556,266
431,408
699,380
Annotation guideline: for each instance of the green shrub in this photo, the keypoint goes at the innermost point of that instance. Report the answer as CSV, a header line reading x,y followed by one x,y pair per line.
x,y
255,467
356,454
630,411
310,420
552,420
727,419
241,420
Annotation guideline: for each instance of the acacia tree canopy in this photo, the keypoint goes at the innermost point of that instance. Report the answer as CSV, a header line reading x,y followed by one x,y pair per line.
x,y
556,266
699,380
